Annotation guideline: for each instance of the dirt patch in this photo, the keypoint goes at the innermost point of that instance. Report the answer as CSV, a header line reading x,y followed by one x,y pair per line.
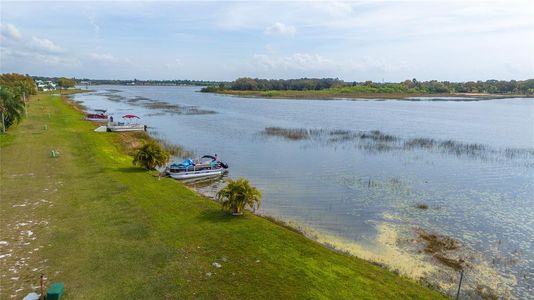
x,y
442,248
485,292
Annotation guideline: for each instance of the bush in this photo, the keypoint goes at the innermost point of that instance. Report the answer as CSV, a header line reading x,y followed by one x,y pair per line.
x,y
150,156
238,194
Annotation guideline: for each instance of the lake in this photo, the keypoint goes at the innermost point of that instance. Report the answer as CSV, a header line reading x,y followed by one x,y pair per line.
x,y
382,180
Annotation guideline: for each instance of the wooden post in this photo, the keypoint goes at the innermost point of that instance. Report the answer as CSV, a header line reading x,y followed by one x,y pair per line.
x,y
3,123
460,284
42,296
25,104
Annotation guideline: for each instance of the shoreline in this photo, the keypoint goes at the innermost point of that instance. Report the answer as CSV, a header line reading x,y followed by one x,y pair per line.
x,y
391,258
96,206
408,267
408,261
316,95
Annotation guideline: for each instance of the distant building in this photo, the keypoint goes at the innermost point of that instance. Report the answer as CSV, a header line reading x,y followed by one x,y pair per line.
x,y
45,86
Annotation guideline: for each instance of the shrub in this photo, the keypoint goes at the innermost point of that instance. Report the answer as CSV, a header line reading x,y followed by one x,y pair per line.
x,y
150,156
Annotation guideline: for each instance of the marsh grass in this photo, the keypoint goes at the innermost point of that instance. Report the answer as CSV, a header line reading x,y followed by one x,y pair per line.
x,y
174,150
290,134
423,206
171,108
376,141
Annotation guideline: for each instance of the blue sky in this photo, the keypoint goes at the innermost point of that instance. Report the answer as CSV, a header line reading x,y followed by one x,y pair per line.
x,y
358,40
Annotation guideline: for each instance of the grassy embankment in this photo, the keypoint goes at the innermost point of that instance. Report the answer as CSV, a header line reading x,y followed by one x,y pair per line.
x,y
112,231
350,93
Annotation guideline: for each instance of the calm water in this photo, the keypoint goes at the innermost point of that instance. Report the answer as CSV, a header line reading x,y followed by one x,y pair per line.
x,y
481,195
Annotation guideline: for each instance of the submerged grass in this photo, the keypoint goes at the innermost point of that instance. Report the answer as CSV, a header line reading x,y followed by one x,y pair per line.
x,y
376,141
111,231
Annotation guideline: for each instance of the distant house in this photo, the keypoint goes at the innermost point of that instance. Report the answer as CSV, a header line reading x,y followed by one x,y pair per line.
x,y
45,86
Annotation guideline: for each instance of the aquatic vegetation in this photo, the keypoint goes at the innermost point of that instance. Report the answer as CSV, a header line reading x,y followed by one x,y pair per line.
x,y
290,134
377,135
439,246
173,108
419,142
421,206
174,150
376,141
461,148
137,99
165,107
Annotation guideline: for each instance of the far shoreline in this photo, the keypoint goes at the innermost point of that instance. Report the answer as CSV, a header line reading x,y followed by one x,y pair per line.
x,y
317,95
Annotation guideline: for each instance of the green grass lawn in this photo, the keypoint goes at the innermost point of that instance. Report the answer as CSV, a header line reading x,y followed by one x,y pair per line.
x,y
112,231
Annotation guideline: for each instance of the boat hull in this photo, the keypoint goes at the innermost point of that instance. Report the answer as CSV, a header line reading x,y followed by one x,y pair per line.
x,y
122,128
97,119
196,174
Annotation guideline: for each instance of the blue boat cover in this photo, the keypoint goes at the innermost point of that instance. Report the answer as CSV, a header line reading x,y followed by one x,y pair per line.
x,y
185,164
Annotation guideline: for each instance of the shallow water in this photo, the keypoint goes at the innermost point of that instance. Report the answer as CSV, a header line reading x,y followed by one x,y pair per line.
x,y
349,189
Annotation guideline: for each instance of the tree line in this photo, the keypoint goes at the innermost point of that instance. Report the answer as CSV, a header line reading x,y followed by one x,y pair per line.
x,y
407,86
82,81
14,92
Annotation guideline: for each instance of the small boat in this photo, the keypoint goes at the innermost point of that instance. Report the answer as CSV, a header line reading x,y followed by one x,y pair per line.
x,y
99,116
206,166
125,126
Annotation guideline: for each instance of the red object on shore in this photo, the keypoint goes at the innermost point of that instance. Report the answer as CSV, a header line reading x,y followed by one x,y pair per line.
x,y
130,116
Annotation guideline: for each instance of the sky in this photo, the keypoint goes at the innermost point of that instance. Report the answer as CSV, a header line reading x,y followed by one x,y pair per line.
x,y
355,41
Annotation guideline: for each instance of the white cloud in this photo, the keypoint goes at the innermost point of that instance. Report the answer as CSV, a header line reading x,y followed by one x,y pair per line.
x,y
297,61
9,31
280,29
174,65
96,27
102,57
310,65
46,45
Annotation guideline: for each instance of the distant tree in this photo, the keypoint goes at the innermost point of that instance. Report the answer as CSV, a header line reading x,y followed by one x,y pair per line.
x,y
23,84
150,156
11,108
65,83
238,194
527,86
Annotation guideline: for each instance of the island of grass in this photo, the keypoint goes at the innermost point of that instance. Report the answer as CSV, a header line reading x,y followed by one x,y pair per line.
x,y
108,230
328,88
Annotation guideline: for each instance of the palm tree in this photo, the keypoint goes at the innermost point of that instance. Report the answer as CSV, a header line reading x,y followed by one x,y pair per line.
x,y
237,194
150,156
11,107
